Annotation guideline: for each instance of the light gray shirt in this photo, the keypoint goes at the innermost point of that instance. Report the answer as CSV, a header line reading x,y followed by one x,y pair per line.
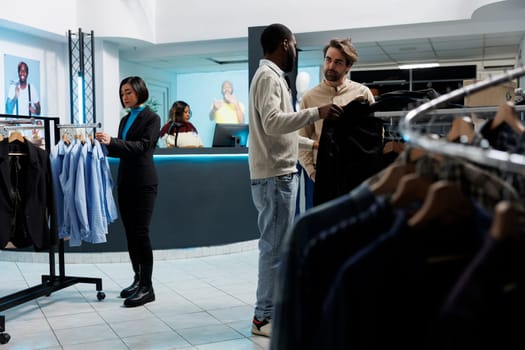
x,y
274,140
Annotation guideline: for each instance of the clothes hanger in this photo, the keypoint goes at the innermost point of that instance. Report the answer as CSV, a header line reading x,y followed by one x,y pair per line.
x,y
15,149
16,136
412,187
507,221
65,138
507,114
389,179
388,182
394,146
462,129
444,200
487,157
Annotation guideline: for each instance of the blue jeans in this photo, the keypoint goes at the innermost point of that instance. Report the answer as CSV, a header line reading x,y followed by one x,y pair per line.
x,y
274,199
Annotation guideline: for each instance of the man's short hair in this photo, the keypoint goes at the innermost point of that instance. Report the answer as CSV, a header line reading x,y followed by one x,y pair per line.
x,y
273,36
346,47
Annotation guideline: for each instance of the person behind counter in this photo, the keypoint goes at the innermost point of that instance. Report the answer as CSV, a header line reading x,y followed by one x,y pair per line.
x,y
137,183
178,131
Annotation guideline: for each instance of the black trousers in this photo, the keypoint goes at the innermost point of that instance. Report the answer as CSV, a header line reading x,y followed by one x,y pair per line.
x,y
136,208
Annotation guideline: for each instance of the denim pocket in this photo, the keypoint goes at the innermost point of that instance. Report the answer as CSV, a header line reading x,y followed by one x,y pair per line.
x,y
256,182
286,177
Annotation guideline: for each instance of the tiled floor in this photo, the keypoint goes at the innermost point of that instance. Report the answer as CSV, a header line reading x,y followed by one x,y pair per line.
x,y
203,303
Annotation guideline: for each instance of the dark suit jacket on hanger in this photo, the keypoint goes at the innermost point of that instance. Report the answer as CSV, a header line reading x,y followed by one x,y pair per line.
x,y
35,220
350,151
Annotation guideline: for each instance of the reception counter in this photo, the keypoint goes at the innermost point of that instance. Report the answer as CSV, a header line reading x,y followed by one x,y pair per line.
x,y
204,200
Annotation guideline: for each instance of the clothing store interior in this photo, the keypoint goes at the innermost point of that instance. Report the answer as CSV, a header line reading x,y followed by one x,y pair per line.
x,y
434,164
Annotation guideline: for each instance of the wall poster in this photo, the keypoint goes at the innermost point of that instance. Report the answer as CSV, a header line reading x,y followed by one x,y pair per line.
x,y
22,86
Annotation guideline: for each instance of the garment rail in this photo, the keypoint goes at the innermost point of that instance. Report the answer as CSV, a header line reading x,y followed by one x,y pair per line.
x,y
394,117
22,127
505,161
52,282
15,121
79,126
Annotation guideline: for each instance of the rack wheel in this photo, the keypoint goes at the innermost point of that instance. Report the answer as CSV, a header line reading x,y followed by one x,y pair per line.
x,y
101,295
4,338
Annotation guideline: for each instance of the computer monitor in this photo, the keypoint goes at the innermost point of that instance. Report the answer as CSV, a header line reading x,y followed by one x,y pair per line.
x,y
230,135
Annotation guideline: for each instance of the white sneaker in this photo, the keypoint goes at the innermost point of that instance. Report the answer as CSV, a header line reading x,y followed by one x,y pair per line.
x,y
263,328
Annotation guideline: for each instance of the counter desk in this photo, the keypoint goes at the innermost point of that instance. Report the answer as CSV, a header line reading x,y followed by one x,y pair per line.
x,y
204,200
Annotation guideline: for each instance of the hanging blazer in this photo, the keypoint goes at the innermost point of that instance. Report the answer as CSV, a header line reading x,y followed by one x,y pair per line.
x,y
136,152
350,151
36,214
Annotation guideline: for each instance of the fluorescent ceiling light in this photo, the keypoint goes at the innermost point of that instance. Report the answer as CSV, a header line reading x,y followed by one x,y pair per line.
x,y
418,65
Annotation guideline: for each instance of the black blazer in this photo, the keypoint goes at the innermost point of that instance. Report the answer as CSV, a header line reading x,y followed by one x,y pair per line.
x,y
136,152
36,214
350,151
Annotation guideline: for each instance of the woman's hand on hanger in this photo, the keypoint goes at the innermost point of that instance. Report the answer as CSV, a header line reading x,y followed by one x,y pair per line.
x,y
103,138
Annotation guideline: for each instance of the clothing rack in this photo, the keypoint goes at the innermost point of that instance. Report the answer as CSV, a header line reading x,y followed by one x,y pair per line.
x,y
439,119
505,161
394,117
15,121
22,127
52,282
80,126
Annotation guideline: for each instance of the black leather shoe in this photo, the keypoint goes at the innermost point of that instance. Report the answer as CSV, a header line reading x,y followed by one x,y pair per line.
x,y
141,296
128,291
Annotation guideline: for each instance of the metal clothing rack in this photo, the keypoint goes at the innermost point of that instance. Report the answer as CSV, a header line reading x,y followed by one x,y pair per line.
x,y
52,282
80,126
394,117
439,120
503,160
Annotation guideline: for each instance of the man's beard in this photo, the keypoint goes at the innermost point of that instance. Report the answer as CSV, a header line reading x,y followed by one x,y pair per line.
x,y
332,75
290,63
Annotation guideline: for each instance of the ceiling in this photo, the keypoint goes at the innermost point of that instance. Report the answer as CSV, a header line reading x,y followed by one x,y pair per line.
x,y
492,37
490,49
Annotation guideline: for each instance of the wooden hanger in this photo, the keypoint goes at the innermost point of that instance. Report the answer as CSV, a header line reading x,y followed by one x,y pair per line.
x,y
507,114
415,153
461,127
444,200
393,146
388,182
390,177
412,187
16,136
65,138
507,221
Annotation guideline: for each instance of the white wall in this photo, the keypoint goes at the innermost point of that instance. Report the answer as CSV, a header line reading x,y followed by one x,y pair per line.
x,y
133,19
231,18
108,108
52,16
161,21
161,85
